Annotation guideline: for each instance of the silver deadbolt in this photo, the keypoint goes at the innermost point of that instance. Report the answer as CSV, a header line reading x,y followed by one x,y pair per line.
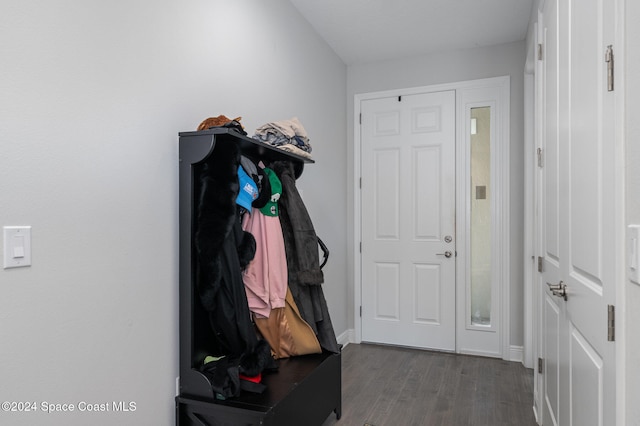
x,y
445,254
448,239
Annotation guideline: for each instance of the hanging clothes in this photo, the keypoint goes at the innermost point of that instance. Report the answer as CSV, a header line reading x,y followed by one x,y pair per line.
x,y
303,263
265,278
287,333
266,282
223,249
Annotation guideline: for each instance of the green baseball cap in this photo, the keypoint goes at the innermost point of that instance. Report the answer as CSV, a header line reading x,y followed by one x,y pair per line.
x,y
271,208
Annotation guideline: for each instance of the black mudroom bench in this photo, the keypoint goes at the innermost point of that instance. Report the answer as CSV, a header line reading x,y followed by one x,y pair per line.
x,y
304,390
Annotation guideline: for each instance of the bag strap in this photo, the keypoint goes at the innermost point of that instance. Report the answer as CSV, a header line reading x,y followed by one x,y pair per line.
x,y
325,252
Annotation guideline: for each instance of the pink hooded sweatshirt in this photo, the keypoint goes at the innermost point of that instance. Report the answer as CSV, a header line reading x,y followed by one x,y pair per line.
x,y
265,278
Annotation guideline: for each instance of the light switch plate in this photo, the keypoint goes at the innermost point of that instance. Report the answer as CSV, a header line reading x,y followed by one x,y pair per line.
x,y
17,246
633,253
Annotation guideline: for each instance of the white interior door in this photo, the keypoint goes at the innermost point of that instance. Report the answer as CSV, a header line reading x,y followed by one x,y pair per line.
x,y
578,215
408,220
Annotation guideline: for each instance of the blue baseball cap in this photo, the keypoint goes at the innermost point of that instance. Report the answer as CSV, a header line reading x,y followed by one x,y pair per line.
x,y
248,190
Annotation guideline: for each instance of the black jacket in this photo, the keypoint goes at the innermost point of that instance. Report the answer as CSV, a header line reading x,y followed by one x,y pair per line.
x,y
223,249
303,263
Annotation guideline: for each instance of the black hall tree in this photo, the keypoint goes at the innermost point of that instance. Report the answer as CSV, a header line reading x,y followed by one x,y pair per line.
x,y
299,390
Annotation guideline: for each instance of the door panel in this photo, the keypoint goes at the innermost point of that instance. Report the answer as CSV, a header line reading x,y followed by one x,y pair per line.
x,y
552,319
586,380
590,274
553,312
426,285
426,198
408,169
551,197
579,214
585,184
387,289
386,174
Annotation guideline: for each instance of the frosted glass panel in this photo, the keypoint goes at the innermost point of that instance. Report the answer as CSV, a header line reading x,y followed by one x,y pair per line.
x,y
481,216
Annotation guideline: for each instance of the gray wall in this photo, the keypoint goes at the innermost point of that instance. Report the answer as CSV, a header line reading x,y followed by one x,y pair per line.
x,y
632,291
92,96
455,66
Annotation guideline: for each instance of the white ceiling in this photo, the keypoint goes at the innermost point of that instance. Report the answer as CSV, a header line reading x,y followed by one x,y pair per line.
x,y
362,31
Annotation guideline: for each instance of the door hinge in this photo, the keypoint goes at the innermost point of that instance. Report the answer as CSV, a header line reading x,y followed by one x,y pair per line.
x,y
360,246
540,365
360,183
540,51
360,311
540,264
608,58
399,98
611,323
360,118
539,157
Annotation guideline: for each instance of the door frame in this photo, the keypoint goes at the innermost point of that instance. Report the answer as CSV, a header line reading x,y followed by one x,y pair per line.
x,y
533,181
501,216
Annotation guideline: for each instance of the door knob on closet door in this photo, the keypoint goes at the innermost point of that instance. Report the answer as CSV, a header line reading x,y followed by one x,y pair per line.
x,y
445,254
554,286
559,289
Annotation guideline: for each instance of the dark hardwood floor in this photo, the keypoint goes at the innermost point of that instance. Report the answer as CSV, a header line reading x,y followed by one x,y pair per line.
x,y
389,386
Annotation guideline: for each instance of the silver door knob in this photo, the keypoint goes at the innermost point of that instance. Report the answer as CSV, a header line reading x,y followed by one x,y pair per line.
x,y
448,239
559,290
445,254
554,286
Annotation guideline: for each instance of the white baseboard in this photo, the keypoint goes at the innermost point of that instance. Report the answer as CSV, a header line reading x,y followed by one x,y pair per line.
x,y
347,337
516,353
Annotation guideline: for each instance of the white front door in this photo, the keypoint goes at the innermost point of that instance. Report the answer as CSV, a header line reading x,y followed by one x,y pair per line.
x,y
578,215
408,220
